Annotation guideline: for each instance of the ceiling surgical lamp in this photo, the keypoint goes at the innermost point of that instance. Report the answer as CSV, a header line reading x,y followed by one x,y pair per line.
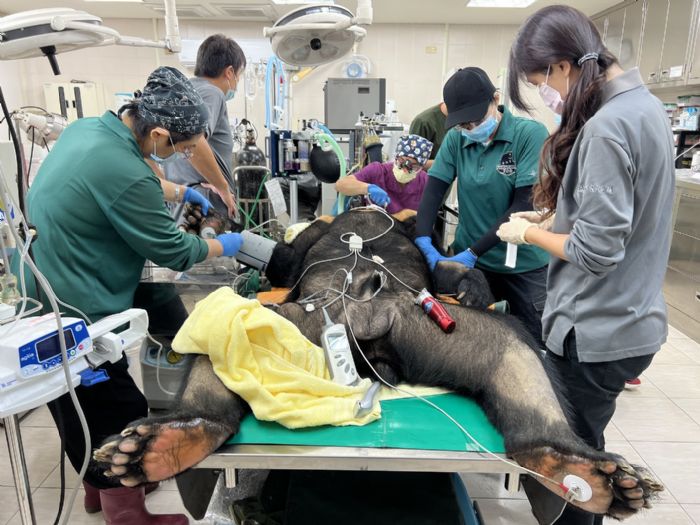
x,y
47,32
318,34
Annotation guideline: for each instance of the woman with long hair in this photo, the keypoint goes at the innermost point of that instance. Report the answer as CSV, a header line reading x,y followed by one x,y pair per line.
x,y
605,195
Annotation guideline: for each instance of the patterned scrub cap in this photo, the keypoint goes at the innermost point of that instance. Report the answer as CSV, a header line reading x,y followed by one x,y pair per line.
x,y
169,100
414,146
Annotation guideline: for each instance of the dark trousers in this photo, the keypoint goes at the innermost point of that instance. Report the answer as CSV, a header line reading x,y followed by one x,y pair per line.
x,y
589,390
526,294
110,406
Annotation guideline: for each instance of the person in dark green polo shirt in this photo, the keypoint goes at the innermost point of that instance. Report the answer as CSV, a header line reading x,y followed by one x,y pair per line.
x,y
430,124
99,212
494,157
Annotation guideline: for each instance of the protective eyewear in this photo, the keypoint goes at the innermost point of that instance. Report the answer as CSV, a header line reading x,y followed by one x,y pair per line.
x,y
408,164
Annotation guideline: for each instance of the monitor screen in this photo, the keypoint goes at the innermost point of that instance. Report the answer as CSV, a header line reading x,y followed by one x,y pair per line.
x,y
50,347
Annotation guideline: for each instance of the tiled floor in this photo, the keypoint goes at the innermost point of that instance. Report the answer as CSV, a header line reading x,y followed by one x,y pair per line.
x,y
657,425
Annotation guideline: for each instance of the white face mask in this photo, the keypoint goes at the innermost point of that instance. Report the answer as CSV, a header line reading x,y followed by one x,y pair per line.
x,y
550,96
402,176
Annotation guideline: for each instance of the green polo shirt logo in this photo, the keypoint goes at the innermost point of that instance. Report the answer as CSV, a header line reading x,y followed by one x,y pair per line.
x,y
507,165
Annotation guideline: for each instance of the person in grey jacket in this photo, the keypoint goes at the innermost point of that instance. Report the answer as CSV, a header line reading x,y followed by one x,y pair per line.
x,y
605,193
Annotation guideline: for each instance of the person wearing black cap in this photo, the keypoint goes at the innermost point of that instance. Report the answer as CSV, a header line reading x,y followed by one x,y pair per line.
x,y
494,157
100,214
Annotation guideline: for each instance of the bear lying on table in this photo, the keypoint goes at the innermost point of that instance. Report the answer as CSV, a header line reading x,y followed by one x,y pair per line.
x,y
488,357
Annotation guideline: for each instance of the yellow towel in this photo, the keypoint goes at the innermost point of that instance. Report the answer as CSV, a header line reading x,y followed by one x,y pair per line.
x,y
266,360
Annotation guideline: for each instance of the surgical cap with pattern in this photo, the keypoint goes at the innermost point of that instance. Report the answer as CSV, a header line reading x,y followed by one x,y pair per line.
x,y
170,101
415,147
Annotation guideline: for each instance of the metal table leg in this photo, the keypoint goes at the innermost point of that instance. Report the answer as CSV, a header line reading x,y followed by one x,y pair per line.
x,y
19,469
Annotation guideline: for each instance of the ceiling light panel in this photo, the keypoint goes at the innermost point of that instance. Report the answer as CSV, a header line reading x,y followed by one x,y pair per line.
x,y
500,3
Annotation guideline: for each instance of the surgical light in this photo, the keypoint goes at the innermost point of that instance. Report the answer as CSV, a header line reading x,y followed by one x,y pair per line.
x,y
318,34
48,32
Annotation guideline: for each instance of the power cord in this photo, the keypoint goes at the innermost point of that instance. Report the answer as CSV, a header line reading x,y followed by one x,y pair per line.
x,y
158,356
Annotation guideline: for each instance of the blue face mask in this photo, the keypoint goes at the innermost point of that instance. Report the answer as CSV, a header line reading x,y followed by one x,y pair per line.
x,y
483,131
162,161
231,92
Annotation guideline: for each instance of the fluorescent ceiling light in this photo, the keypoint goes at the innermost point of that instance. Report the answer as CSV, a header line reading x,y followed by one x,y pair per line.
x,y
500,3
117,1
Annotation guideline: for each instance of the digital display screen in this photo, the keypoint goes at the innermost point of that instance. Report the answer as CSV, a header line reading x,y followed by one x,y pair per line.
x,y
336,341
50,347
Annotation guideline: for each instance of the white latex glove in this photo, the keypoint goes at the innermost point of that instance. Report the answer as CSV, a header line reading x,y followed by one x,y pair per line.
x,y
536,218
514,230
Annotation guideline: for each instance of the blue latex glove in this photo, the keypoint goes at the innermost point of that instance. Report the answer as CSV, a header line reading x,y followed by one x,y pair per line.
x,y
231,242
467,258
378,196
432,256
194,197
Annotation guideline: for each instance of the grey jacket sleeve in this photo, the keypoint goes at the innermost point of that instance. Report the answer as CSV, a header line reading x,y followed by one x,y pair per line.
x,y
604,193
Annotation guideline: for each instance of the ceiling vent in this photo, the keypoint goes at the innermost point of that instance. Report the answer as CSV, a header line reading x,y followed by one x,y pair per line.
x,y
246,12
183,11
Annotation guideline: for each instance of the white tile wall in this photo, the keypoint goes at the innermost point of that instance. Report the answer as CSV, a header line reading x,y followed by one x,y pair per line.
x,y
412,57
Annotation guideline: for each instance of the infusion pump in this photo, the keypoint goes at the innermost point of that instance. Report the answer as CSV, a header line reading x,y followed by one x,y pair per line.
x,y
31,365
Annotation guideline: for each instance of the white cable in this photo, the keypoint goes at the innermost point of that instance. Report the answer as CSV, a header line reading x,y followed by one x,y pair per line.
x,y
309,298
346,282
442,411
263,224
391,226
23,255
375,208
389,272
247,275
51,296
48,291
160,351
76,310
29,312
314,264
560,513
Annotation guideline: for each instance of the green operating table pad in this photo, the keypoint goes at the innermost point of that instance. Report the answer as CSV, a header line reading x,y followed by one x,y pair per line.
x,y
405,423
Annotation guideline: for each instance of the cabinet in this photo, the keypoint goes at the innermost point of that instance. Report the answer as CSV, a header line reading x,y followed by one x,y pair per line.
x,y
694,69
676,37
662,37
615,30
656,12
631,35
621,31
74,100
682,283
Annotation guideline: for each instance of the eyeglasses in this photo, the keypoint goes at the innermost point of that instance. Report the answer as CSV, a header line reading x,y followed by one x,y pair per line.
x,y
409,164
